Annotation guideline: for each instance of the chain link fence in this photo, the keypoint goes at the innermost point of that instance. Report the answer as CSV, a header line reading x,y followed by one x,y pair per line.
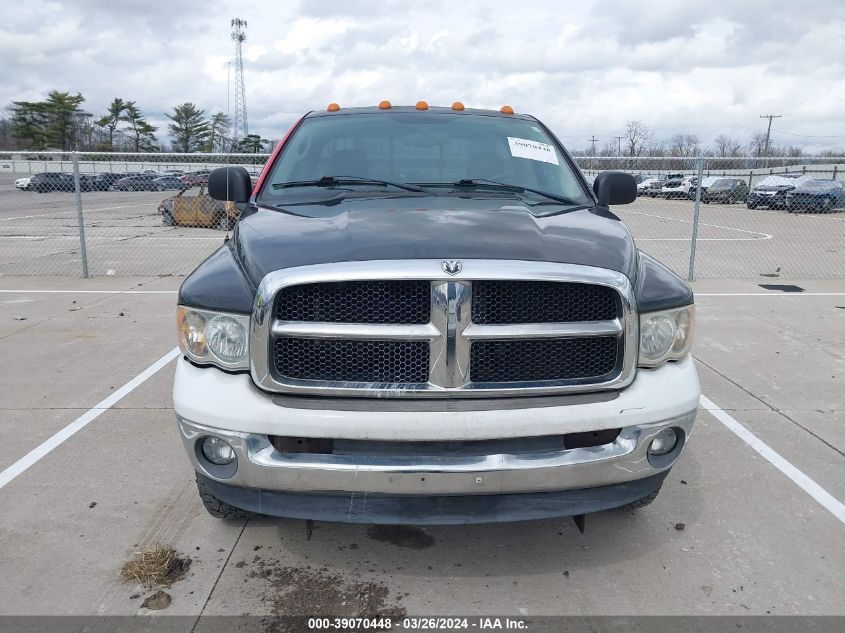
x,y
99,214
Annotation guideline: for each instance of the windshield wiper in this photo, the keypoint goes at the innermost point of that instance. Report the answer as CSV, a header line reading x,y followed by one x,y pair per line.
x,y
503,186
333,181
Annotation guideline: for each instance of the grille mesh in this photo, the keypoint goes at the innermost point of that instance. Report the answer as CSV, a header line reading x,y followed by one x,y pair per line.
x,y
381,301
352,360
543,359
500,302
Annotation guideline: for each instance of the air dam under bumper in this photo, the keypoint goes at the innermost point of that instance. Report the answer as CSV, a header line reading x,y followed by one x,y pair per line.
x,y
433,510
419,489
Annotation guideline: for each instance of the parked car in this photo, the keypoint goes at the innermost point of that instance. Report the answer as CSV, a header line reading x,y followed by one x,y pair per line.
x,y
343,361
677,187
727,190
51,181
198,209
168,182
816,195
705,184
655,186
143,182
196,178
771,191
105,180
649,186
86,182
22,184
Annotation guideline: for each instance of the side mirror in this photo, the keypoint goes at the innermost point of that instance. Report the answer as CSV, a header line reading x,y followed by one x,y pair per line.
x,y
230,183
615,187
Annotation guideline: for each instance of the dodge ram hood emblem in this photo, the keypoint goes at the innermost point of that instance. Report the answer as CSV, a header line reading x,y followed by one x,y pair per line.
x,y
451,266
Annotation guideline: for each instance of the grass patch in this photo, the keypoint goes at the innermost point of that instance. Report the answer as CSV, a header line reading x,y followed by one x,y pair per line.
x,y
157,566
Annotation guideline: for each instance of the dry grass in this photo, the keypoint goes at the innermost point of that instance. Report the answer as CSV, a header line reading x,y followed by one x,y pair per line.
x,y
158,565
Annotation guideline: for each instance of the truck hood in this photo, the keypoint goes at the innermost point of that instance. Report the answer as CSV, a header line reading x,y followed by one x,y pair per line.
x,y
435,227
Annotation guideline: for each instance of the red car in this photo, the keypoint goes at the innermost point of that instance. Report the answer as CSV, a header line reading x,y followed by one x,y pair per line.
x,y
196,178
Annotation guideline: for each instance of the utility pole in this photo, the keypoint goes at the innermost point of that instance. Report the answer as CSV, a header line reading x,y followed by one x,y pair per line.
x,y
593,140
768,132
619,143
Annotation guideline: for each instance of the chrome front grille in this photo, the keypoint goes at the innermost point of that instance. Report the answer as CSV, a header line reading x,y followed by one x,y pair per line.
x,y
406,328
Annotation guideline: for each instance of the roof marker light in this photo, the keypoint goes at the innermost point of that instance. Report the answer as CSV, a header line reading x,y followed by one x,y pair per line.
x,y
384,105
506,109
333,107
457,106
421,105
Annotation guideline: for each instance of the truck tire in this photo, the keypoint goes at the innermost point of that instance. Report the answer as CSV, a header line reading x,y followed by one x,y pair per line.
x,y
641,503
220,509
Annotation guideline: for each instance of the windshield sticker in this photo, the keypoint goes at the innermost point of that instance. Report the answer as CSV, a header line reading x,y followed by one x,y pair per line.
x,y
532,150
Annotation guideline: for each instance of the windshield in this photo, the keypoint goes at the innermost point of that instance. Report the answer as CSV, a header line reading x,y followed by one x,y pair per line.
x,y
433,150
818,185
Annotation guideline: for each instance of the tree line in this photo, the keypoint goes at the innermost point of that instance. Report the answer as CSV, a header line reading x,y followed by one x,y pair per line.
x,y
60,122
638,141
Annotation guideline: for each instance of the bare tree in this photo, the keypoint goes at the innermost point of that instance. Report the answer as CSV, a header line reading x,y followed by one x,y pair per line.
x,y
757,146
727,146
685,145
637,136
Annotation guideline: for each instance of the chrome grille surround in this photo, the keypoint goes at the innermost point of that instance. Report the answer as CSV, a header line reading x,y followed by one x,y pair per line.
x,y
450,331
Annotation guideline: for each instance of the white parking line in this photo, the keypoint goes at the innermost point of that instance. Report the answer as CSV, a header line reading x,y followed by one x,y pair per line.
x,y
81,422
770,294
92,292
822,496
86,210
763,236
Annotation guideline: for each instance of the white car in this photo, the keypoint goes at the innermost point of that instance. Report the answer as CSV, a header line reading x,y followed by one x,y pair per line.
x,y
22,184
678,187
647,186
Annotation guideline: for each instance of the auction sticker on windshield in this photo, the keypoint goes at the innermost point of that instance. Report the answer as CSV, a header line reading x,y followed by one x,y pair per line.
x,y
532,150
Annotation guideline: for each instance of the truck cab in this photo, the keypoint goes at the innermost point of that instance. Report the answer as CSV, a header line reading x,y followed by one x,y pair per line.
x,y
425,315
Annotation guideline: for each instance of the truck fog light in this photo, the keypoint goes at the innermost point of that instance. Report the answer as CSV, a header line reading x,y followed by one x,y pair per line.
x,y
664,442
218,451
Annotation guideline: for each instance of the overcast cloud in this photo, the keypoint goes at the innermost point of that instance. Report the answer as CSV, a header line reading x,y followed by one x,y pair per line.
x,y
582,67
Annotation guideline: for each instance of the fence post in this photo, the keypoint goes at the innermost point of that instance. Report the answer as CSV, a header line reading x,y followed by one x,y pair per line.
x,y
700,177
79,218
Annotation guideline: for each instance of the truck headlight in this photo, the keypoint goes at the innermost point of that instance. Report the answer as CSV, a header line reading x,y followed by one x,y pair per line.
x,y
666,335
217,338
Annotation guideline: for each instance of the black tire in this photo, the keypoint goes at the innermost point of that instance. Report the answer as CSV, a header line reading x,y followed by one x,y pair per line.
x,y
828,206
167,219
641,503
217,508
751,205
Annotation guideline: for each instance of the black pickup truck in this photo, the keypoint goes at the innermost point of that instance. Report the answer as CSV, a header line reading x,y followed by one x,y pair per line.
x,y
425,315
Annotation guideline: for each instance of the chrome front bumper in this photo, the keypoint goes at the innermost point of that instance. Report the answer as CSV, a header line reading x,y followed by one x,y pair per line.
x,y
260,466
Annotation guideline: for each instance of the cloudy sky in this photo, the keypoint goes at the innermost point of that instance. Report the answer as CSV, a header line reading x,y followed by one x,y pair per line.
x,y
585,68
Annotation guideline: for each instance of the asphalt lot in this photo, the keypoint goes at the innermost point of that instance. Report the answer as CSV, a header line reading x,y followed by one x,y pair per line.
x,y
125,237
754,541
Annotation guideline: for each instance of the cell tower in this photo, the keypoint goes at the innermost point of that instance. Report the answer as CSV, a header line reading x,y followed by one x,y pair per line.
x,y
240,127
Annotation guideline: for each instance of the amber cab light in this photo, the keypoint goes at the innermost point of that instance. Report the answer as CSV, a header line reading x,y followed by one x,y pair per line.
x,y
333,107
422,105
506,109
384,105
457,106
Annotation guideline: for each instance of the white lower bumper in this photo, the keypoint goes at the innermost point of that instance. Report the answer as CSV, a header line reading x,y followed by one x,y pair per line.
x,y
210,397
